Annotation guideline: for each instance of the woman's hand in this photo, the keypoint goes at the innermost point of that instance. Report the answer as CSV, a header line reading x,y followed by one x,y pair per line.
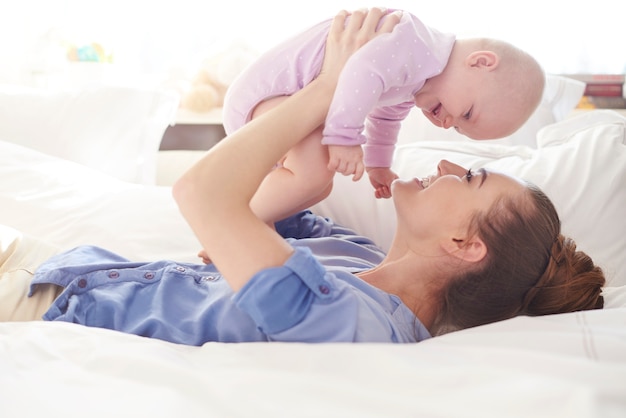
x,y
345,38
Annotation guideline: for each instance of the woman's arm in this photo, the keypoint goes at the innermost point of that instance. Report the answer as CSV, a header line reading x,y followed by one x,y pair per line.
x,y
214,194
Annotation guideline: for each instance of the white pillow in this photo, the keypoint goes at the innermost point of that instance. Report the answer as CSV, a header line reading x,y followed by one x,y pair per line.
x,y
580,164
560,97
67,204
114,129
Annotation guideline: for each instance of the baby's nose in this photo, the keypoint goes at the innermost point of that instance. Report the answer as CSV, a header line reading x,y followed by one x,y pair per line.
x,y
444,119
447,122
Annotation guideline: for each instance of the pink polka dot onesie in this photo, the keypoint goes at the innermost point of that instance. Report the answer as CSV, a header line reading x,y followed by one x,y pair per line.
x,y
375,91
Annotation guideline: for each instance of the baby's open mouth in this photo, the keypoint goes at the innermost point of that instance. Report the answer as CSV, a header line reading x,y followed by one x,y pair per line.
x,y
435,110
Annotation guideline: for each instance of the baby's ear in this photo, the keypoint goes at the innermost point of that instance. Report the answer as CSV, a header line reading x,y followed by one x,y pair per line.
x,y
488,60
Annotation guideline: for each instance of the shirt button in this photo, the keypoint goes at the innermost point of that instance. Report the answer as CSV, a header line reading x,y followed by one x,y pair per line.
x,y
179,268
149,275
113,275
82,283
324,289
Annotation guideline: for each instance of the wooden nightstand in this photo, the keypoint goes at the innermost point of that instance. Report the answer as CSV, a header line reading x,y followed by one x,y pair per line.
x,y
194,131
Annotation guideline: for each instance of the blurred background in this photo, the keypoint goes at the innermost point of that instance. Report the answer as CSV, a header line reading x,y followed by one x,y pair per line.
x,y
51,43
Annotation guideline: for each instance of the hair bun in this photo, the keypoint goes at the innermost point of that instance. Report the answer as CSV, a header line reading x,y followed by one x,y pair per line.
x,y
571,282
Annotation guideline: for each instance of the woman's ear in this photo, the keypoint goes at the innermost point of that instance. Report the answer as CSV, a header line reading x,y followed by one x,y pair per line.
x,y
471,250
487,60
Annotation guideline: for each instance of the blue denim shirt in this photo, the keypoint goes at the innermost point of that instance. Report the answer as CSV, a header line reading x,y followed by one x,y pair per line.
x,y
313,297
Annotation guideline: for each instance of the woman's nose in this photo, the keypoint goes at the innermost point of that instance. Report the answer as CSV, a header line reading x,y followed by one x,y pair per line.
x,y
446,167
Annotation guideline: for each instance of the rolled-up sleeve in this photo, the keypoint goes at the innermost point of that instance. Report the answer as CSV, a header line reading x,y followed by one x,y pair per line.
x,y
301,301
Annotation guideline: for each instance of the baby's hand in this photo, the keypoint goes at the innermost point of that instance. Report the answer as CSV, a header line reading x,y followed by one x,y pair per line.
x,y
381,178
204,256
346,160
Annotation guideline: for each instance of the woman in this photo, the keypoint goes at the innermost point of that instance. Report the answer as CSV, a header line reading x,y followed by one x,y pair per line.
x,y
471,247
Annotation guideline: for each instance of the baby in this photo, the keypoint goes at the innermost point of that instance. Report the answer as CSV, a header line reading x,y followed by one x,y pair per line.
x,y
484,88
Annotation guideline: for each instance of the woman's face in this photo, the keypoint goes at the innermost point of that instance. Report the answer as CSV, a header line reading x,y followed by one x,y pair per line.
x,y
442,206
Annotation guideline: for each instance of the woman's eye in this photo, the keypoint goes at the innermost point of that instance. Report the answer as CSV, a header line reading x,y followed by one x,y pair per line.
x,y
469,175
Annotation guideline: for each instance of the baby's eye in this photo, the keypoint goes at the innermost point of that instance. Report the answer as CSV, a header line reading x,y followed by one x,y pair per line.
x,y
469,175
468,115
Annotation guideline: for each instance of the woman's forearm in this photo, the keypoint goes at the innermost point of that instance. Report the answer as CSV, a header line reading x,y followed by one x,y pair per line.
x,y
214,194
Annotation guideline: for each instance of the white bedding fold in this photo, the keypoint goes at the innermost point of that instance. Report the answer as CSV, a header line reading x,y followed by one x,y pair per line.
x,y
570,365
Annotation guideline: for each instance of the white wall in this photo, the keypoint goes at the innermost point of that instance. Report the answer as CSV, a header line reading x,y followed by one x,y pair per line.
x,y
154,36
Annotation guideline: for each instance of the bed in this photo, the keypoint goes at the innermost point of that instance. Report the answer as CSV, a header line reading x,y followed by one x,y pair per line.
x,y
84,167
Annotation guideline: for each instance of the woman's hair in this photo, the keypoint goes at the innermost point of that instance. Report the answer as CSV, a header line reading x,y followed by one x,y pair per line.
x,y
530,268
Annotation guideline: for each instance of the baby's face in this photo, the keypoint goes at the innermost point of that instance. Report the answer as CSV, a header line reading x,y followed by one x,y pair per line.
x,y
476,107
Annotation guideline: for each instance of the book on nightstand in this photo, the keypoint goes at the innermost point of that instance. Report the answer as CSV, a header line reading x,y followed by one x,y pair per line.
x,y
611,85
610,90
602,91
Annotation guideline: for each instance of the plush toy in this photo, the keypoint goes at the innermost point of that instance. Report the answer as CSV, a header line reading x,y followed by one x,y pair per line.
x,y
207,88
204,93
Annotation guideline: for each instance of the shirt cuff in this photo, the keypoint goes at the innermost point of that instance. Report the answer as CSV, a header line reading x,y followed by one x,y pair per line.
x,y
279,298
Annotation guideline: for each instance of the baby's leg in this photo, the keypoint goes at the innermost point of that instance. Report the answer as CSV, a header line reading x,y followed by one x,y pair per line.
x,y
300,180
20,256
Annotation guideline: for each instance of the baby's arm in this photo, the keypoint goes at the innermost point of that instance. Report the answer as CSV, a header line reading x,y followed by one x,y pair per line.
x,y
381,178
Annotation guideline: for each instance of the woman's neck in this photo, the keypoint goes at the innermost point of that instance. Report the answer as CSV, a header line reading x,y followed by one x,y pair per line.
x,y
407,278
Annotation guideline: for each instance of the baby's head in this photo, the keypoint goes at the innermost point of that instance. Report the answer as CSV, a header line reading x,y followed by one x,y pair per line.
x,y
488,89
